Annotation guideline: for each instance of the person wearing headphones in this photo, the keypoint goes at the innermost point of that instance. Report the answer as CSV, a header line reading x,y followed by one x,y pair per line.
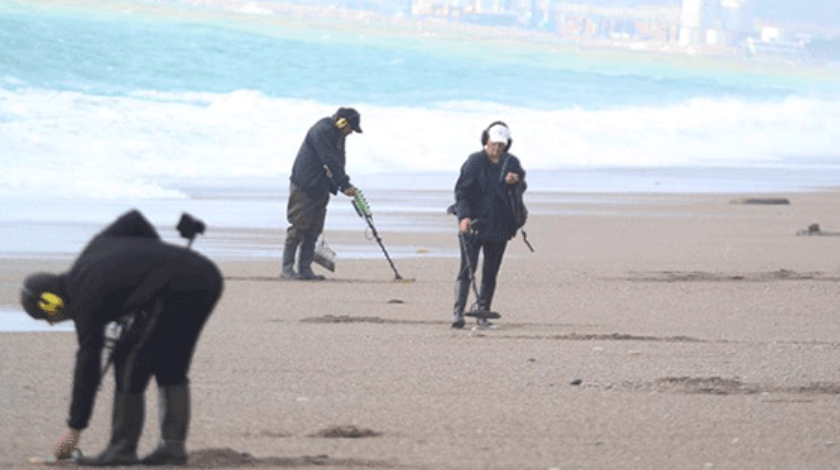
x,y
485,217
318,171
161,295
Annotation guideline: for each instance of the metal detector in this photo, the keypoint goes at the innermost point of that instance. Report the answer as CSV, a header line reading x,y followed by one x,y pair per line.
x,y
363,209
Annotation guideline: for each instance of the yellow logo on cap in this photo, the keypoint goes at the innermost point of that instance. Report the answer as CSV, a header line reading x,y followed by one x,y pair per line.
x,y
51,303
341,123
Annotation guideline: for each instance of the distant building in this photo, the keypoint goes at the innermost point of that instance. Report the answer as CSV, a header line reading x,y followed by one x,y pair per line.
x,y
582,21
776,41
713,22
691,22
486,12
690,26
384,7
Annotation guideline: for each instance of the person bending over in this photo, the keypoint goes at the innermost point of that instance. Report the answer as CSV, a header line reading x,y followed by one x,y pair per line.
x,y
162,295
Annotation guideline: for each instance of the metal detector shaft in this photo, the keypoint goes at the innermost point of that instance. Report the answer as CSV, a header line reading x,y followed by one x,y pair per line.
x,y
381,245
363,209
466,251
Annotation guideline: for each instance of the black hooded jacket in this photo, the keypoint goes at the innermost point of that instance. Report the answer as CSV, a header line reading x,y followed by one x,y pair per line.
x,y
120,270
323,146
482,195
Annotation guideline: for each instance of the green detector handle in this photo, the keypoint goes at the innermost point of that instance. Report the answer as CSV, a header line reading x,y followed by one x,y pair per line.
x,y
361,205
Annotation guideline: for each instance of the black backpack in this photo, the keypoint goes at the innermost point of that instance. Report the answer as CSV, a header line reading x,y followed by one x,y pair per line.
x,y
517,203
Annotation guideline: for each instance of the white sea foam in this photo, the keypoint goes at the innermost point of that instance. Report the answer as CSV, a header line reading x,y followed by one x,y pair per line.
x,y
72,144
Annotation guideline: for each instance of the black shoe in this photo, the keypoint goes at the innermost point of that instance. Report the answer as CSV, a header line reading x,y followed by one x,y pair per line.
x,y
108,458
167,453
457,320
309,275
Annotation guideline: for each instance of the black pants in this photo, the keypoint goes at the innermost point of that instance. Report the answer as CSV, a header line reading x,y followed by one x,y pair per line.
x,y
306,215
494,252
182,308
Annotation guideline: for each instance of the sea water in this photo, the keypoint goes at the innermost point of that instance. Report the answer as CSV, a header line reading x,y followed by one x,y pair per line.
x,y
201,106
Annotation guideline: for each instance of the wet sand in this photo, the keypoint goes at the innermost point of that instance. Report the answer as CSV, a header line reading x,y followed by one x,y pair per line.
x,y
652,331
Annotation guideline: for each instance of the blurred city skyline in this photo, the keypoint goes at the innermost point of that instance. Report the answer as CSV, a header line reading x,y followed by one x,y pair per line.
x,y
787,29
824,13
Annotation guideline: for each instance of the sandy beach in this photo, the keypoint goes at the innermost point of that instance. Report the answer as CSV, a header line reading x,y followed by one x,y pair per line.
x,y
646,332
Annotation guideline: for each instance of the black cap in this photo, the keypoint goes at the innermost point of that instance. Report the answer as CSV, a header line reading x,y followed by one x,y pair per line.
x,y
42,296
351,116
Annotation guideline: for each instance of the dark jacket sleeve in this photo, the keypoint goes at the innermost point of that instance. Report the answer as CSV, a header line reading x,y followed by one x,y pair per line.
x,y
322,146
86,376
512,164
327,143
468,189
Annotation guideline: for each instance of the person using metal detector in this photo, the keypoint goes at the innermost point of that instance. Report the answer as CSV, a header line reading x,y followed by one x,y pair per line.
x,y
486,220
145,302
318,171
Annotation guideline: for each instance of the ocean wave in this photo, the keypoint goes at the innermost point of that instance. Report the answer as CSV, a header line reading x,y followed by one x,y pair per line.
x,y
73,143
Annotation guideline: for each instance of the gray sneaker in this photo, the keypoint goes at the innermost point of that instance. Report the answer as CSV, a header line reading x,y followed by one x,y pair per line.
x,y
288,274
485,323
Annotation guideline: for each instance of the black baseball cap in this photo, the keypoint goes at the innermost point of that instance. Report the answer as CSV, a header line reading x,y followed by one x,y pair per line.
x,y
352,116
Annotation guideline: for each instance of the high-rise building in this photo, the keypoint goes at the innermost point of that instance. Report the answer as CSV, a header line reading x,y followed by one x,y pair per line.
x,y
691,21
710,21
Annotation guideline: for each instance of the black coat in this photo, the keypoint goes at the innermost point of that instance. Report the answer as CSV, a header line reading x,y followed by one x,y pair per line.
x,y
482,195
323,145
120,270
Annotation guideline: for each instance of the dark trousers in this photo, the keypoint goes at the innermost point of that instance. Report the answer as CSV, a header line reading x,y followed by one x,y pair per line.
x,y
494,252
306,215
177,317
